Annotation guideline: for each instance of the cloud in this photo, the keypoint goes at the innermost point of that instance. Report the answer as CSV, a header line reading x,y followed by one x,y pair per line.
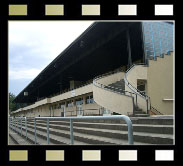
x,y
23,74
34,44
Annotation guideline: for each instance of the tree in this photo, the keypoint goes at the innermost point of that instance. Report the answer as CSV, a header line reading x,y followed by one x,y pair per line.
x,y
12,106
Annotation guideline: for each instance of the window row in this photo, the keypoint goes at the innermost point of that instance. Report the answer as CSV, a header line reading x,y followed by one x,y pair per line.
x,y
71,103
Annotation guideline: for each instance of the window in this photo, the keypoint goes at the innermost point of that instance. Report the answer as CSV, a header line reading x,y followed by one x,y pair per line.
x,y
79,101
89,99
70,103
141,86
62,105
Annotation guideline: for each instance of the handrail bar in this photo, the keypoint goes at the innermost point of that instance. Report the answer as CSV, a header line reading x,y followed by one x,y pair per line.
x,y
107,74
135,90
107,86
15,124
156,110
130,85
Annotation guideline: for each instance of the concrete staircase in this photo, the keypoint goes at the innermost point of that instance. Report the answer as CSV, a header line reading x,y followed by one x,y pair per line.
x,y
139,113
118,85
146,131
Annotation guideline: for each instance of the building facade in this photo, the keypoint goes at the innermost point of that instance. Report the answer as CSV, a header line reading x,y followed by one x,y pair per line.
x,y
121,67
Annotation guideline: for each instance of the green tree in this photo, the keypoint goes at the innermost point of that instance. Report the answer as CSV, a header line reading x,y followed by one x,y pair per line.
x,y
12,106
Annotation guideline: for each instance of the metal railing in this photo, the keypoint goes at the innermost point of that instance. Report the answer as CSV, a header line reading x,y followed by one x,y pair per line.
x,y
14,125
84,112
155,111
135,90
140,93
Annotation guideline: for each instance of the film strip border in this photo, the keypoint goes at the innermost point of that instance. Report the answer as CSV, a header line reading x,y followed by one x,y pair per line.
x,y
101,156
97,9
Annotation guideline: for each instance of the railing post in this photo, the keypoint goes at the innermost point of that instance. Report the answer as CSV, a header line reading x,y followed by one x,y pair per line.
x,y
21,126
130,130
71,132
18,124
15,125
48,138
35,135
147,105
9,122
26,127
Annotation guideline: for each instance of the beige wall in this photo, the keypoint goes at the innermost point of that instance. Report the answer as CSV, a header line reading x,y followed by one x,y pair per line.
x,y
138,72
112,101
111,78
77,92
46,102
44,110
160,84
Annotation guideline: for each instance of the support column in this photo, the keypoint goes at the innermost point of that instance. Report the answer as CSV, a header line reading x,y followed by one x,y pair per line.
x,y
128,48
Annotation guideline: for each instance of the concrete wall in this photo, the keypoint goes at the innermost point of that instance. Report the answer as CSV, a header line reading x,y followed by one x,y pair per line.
x,y
138,72
111,78
160,84
112,101
77,92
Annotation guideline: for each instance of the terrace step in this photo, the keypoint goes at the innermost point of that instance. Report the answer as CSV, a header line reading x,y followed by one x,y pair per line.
x,y
17,138
140,115
84,139
146,130
42,135
161,129
11,141
155,120
63,131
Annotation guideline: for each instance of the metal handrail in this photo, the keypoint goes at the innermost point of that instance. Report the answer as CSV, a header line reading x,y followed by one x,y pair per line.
x,y
107,74
110,88
155,110
71,119
13,124
135,90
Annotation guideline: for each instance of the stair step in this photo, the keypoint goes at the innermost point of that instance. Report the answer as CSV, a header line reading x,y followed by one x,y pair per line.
x,y
11,141
140,115
54,139
155,120
138,136
164,129
18,139
139,112
87,139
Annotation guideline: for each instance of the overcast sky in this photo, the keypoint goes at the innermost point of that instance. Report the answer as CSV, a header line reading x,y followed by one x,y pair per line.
x,y
34,44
